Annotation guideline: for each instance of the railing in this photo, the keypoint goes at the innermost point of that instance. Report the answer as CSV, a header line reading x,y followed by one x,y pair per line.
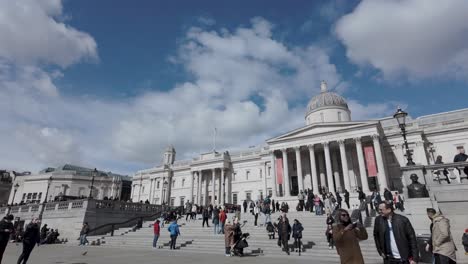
x,y
111,227
449,173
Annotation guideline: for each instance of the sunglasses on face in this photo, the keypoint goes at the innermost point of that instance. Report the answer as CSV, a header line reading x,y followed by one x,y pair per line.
x,y
345,215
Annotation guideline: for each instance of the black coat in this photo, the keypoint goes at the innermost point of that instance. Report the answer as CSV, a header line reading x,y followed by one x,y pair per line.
x,y
284,230
388,195
5,236
32,234
297,230
403,231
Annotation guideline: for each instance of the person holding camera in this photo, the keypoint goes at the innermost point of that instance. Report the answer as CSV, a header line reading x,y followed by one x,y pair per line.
x,y
346,236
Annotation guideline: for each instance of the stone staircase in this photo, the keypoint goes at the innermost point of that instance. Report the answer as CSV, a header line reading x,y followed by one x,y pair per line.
x,y
195,238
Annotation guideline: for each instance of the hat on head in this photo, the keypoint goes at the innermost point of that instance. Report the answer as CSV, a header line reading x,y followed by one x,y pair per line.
x,y
9,217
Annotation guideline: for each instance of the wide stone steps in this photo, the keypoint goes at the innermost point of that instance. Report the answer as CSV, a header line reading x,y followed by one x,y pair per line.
x,y
195,238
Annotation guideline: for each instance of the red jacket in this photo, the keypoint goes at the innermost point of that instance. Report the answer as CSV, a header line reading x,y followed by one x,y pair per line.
x,y
222,216
156,229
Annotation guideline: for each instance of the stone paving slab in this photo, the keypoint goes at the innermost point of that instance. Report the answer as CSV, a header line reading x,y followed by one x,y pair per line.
x,y
59,254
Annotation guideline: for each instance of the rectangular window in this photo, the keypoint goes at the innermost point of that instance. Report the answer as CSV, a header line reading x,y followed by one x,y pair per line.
x,y
157,185
234,176
29,196
24,197
260,173
261,194
269,170
248,196
247,174
182,200
270,192
34,196
183,182
172,201
173,183
234,198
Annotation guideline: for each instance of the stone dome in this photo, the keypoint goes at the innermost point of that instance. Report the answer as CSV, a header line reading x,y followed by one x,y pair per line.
x,y
327,107
325,99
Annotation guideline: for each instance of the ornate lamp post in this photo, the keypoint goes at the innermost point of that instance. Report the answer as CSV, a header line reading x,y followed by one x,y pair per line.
x,y
15,189
400,116
94,174
49,182
164,192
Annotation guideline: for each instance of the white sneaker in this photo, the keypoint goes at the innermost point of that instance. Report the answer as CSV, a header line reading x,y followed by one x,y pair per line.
x,y
330,247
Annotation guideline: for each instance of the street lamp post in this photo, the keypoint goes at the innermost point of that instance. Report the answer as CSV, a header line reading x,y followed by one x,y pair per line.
x,y
400,116
94,174
164,192
49,182
15,189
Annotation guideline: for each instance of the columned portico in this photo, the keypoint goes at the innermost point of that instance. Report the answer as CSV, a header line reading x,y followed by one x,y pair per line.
x,y
213,180
313,169
328,166
380,163
286,188
362,166
223,189
300,178
273,176
192,175
344,164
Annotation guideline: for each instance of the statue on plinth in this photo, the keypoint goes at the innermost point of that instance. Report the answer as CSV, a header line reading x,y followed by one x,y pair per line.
x,y
416,189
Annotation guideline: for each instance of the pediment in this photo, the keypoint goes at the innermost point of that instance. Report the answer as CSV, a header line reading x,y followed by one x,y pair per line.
x,y
321,129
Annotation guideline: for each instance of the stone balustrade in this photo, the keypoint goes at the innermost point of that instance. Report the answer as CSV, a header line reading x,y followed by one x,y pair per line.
x,y
449,173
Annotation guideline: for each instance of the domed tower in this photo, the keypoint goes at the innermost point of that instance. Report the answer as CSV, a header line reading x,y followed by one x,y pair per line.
x,y
327,107
169,155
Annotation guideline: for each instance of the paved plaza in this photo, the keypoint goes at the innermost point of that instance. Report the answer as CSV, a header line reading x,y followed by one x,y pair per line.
x,y
63,254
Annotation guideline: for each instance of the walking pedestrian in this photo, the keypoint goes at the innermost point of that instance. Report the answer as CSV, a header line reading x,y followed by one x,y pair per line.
x,y
174,233
443,246
388,195
205,215
284,232
6,229
222,220
317,203
156,232
398,202
228,238
394,236
297,234
346,198
301,199
194,212
346,236
244,204
338,200
31,237
329,236
188,210
256,211
215,220
83,234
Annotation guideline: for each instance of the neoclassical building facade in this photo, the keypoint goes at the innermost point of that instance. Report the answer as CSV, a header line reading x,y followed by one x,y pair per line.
x,y
331,151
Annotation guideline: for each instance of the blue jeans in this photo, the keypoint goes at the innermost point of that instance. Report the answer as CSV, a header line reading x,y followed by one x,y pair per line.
x,y
155,240
83,239
267,218
221,231
216,229
318,210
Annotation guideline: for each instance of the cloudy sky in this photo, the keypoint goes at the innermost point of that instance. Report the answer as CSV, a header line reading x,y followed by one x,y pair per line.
x,y
110,83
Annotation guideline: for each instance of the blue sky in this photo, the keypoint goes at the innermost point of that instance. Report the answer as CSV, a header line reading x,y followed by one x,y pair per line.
x,y
110,83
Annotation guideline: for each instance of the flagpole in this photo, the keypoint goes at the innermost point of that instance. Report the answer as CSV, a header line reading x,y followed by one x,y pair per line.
x,y
214,140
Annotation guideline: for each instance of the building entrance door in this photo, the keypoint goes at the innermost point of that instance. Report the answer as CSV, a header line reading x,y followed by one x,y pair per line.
x,y
294,186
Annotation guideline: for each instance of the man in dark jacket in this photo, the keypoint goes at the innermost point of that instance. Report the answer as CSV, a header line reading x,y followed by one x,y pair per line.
x,y
284,232
461,157
388,195
6,229
31,237
346,198
205,215
244,204
394,237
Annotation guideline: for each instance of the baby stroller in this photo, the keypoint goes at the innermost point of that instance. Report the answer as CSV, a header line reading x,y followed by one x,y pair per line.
x,y
239,245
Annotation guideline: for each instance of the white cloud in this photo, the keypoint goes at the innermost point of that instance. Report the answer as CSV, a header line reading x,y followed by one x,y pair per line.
x,y
417,38
243,82
372,110
31,33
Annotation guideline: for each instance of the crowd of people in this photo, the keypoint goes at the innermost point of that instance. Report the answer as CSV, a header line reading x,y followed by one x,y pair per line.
x,y
30,238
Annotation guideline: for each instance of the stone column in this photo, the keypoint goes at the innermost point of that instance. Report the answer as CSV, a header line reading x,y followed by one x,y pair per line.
x,y
265,187
199,183
323,180
161,185
286,188
273,176
213,180
344,164
229,186
313,169
300,179
336,170
223,186
328,166
150,191
192,175
207,182
362,166
380,163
